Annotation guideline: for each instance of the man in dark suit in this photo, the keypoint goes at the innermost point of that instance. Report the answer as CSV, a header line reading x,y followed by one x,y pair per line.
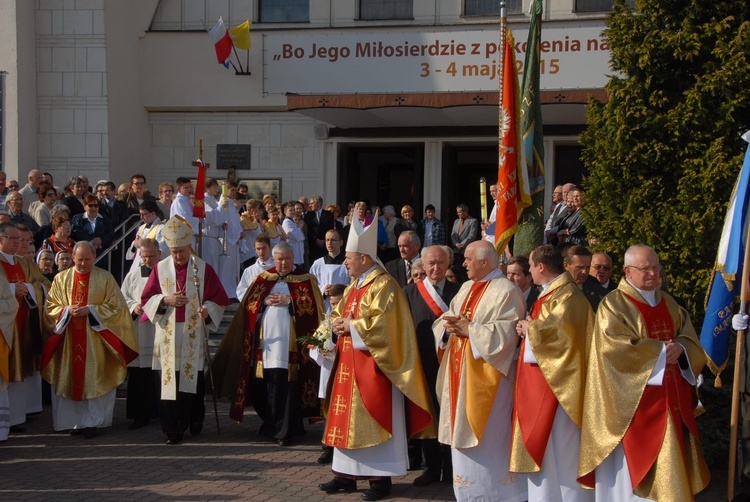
x,y
519,271
464,232
601,271
318,221
428,299
578,262
408,248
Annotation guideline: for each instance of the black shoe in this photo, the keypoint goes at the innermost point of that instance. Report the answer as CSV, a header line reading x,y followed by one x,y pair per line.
x,y
16,429
374,494
174,438
196,428
326,457
89,432
285,442
75,432
339,485
137,424
426,478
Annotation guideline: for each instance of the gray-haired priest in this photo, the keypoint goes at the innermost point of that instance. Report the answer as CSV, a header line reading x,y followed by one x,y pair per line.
x,y
183,297
90,341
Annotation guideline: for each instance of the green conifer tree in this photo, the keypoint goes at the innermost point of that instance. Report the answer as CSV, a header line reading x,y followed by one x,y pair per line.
x,y
664,152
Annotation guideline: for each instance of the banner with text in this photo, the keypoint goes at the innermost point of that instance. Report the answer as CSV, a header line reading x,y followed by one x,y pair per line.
x,y
574,55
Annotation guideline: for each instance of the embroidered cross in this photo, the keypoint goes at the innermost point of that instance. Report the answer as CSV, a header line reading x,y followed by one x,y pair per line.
x,y
335,436
660,329
343,373
347,344
168,284
339,407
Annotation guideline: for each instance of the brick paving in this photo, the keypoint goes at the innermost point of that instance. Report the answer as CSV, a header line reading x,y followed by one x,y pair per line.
x,y
42,465
238,464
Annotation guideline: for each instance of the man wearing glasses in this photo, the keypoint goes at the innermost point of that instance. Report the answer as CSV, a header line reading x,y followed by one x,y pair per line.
x,y
137,193
601,271
14,207
639,433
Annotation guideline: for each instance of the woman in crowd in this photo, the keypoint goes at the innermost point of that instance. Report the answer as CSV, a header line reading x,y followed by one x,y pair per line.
x,y
572,229
40,210
407,221
60,239
63,260
46,261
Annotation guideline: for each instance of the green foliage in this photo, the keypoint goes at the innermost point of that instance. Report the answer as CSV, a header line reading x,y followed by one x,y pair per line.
x,y
664,152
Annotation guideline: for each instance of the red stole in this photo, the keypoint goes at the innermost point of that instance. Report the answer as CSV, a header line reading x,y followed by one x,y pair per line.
x,y
675,398
434,307
305,319
374,388
535,403
460,345
14,274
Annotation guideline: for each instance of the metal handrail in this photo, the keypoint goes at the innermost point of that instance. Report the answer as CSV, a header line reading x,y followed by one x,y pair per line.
x,y
107,253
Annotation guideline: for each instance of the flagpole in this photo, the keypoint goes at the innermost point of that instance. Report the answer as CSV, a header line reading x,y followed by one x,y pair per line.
x,y
500,97
738,357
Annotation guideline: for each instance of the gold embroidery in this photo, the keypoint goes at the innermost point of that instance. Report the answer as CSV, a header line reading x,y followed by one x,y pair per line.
x,y
340,406
309,394
167,285
460,482
303,301
335,436
343,373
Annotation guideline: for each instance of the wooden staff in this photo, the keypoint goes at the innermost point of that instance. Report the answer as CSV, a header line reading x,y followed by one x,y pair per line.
x,y
738,363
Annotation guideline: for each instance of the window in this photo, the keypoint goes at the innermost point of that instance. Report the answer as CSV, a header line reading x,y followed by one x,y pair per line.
x,y
386,9
200,15
599,5
284,11
491,7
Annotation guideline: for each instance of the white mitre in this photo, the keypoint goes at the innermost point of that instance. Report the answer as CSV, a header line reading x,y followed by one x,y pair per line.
x,y
177,232
364,240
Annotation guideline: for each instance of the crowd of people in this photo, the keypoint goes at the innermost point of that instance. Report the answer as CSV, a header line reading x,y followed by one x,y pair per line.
x,y
513,378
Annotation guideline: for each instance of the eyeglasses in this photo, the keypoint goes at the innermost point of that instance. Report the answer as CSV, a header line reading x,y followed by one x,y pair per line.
x,y
16,200
93,205
11,238
601,267
146,256
50,194
139,183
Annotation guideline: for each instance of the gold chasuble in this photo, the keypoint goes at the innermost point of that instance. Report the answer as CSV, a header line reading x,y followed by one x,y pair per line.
x,y
656,423
358,398
559,334
26,335
86,357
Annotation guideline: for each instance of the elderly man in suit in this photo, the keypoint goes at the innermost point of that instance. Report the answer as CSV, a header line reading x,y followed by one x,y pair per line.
x,y
408,248
429,299
464,230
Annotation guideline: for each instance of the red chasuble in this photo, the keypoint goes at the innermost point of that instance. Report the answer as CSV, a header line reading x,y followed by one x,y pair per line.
x,y
535,403
674,400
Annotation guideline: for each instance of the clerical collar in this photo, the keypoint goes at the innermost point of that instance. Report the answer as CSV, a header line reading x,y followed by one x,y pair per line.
x,y
145,271
9,258
334,260
648,296
363,277
492,275
545,287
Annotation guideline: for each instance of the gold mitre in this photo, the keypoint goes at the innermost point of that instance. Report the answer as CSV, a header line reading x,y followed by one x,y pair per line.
x,y
178,232
364,240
